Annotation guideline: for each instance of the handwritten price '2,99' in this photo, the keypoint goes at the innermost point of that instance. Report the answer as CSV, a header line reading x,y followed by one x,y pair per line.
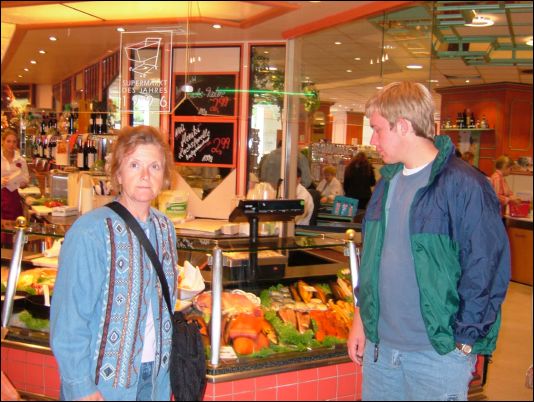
x,y
220,144
218,102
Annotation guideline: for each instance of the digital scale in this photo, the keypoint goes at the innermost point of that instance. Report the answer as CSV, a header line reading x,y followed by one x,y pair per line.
x,y
255,211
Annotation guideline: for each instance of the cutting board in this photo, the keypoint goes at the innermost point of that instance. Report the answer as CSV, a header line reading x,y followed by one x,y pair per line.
x,y
41,210
49,262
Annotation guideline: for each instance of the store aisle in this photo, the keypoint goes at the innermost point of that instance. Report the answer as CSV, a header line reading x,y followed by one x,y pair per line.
x,y
506,372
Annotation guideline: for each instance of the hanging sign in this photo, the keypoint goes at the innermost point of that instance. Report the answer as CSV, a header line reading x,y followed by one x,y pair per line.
x,y
210,94
145,60
204,144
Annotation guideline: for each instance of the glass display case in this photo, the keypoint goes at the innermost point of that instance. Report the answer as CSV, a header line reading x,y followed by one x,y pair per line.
x,y
311,259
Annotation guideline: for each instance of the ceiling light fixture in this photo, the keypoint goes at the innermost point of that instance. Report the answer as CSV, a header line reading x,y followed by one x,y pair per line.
x,y
337,43
26,69
357,59
414,66
121,29
529,42
52,38
33,62
216,26
42,51
349,71
480,21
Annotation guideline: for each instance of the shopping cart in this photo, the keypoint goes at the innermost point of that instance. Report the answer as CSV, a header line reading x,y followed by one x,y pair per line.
x,y
142,64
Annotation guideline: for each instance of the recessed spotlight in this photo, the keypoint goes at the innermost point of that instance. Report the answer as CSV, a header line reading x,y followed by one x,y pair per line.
x,y
216,26
52,38
265,52
467,81
349,71
357,58
26,69
433,81
379,88
121,29
414,66
337,43
480,21
33,62
42,51
20,75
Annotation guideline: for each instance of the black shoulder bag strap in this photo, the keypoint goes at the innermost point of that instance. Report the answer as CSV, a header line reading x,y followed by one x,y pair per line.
x,y
140,233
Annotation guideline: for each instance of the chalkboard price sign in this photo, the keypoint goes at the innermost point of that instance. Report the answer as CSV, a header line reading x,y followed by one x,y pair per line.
x,y
204,144
211,95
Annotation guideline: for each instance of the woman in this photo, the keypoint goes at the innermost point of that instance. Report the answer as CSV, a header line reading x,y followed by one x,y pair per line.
x,y
330,186
110,327
503,166
358,180
14,175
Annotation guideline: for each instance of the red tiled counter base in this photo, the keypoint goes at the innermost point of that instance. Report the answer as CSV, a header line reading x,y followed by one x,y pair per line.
x,y
32,372
340,382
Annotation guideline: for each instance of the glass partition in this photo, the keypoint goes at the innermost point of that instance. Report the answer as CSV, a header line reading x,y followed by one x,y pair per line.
x,y
334,86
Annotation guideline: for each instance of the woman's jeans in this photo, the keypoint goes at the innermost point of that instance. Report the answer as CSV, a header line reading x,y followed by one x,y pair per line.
x,y
412,376
144,386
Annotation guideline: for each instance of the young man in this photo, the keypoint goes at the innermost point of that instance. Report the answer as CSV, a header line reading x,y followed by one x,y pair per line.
x,y
436,260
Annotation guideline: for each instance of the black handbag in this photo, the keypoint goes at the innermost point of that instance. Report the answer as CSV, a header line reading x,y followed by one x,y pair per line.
x,y
188,360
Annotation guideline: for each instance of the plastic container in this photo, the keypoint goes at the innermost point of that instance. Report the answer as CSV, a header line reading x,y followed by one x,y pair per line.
x,y
173,203
520,210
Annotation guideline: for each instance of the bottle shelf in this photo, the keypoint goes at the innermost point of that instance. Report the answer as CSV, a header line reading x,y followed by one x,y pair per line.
x,y
466,129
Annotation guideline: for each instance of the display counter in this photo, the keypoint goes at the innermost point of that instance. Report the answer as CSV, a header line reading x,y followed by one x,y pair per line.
x,y
312,374
520,235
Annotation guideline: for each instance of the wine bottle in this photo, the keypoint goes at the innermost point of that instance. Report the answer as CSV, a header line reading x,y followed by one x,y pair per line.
x,y
91,127
85,156
79,156
99,124
91,155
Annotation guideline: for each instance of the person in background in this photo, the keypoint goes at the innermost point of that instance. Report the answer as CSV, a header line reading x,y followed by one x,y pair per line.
x,y
436,259
359,178
269,168
15,175
469,157
329,186
110,329
303,194
503,166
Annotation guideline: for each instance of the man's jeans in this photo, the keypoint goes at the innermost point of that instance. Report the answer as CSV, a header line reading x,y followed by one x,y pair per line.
x,y
413,376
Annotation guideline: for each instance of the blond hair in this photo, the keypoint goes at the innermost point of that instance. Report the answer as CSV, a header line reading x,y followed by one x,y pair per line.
x,y
503,161
7,132
128,140
408,100
329,169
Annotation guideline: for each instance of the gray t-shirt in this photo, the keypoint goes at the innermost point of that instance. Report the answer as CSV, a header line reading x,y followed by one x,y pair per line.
x,y
400,324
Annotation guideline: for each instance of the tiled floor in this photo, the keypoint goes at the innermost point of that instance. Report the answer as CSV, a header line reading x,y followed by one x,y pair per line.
x,y
506,372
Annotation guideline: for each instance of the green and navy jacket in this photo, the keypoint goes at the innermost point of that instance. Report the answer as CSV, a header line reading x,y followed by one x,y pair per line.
x,y
460,251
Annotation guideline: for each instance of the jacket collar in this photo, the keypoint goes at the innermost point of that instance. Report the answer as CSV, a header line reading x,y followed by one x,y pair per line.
x,y
445,148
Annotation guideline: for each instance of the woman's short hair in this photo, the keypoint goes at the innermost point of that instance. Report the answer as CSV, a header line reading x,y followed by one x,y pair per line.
x,y
6,132
503,161
330,170
128,140
408,100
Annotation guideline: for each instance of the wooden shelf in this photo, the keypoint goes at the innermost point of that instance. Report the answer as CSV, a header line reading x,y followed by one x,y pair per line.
x,y
466,129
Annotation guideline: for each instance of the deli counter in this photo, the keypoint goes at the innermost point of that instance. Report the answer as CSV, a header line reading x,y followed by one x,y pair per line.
x,y
306,278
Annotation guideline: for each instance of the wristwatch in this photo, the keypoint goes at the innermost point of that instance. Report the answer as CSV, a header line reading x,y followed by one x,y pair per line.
x,y
464,348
